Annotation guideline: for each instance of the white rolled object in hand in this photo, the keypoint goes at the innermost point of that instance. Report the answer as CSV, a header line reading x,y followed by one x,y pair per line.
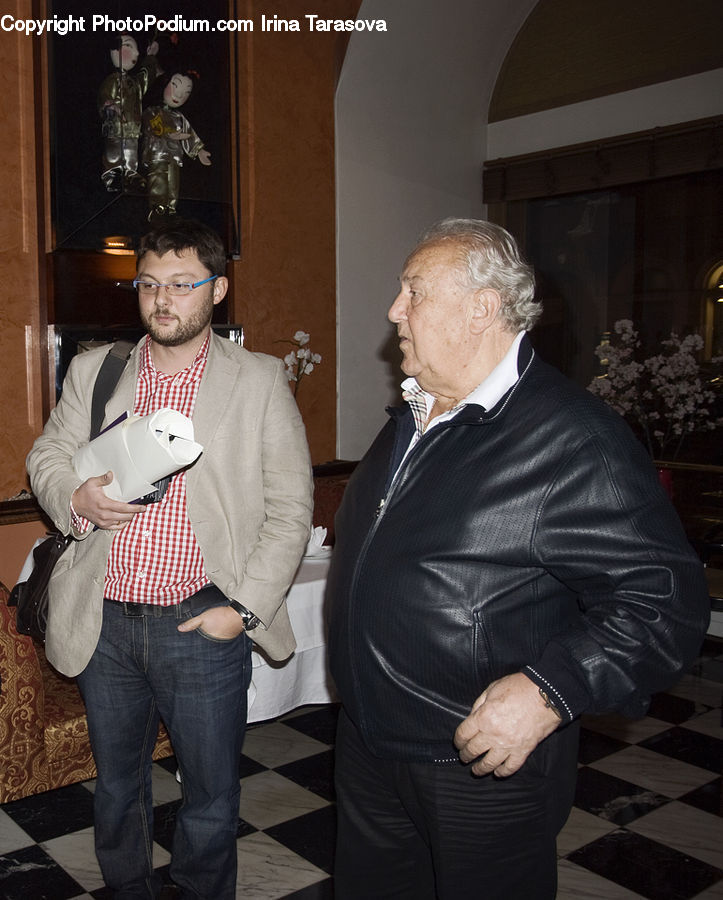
x,y
315,546
139,450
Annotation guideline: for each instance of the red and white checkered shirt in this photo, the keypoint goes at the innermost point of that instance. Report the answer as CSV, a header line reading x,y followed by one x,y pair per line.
x,y
156,558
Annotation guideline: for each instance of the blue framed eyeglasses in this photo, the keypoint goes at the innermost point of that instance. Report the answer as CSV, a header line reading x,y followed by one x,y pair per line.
x,y
174,288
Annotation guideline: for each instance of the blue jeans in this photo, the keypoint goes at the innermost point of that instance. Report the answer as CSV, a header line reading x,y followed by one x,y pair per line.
x,y
144,668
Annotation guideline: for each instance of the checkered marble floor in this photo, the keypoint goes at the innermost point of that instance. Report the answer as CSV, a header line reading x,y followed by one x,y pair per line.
x,y
646,822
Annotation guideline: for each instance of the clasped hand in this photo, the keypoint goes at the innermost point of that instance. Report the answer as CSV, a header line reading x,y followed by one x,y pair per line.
x,y
91,502
507,722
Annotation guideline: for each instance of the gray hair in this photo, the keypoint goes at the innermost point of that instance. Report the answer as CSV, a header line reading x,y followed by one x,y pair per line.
x,y
490,258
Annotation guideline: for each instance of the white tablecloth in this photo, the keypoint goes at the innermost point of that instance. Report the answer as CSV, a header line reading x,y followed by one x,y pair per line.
x,y
276,687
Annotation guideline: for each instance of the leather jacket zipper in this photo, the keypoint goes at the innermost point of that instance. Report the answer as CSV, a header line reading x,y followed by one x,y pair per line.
x,y
397,479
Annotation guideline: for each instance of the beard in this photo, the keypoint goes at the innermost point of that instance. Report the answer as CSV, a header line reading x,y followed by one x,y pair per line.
x,y
185,330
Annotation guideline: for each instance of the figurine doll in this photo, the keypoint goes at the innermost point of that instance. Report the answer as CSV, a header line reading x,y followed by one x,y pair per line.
x,y
167,136
119,105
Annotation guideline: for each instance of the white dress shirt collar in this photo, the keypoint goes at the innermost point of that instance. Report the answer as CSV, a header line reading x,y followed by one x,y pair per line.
x,y
487,394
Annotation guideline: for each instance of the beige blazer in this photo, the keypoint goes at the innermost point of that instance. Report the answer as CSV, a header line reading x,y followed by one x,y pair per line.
x,y
249,495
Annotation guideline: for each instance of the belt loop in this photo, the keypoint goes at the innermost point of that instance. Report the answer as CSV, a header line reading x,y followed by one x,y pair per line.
x,y
131,611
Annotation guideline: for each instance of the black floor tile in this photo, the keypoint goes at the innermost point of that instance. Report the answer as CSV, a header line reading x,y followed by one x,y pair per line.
x,y
669,708
319,724
322,890
312,836
688,746
708,797
30,874
54,813
243,828
315,773
170,764
710,669
712,647
646,867
248,766
594,746
612,798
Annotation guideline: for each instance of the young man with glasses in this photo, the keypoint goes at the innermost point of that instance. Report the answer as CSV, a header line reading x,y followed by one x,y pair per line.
x,y
154,608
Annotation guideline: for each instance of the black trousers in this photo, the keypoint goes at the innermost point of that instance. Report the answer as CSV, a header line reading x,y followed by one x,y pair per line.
x,y
438,832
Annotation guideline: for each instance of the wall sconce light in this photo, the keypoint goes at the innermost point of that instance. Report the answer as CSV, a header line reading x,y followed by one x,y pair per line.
x,y
118,245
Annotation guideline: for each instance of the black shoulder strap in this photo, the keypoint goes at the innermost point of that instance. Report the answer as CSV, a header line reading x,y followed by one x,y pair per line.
x,y
106,381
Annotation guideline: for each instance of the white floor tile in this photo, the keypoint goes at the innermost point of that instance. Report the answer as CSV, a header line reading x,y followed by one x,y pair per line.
x,y
268,870
699,690
76,854
654,771
578,883
709,723
276,744
12,836
685,828
712,893
581,828
268,798
165,788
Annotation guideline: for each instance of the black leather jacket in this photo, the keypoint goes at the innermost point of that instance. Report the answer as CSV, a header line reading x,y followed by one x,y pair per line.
x,y
532,535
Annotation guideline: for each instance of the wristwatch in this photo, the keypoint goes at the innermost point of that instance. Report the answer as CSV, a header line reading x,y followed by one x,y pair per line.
x,y
250,620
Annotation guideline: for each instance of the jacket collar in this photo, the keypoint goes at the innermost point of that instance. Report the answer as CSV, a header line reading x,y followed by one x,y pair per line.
x,y
525,356
471,413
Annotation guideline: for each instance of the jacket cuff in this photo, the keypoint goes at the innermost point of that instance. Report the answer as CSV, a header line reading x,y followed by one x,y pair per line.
x,y
556,675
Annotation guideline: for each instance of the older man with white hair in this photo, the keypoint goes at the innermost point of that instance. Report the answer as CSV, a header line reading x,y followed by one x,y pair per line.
x,y
505,561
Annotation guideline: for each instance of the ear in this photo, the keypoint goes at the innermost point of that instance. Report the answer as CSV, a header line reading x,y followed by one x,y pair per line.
x,y
220,286
485,307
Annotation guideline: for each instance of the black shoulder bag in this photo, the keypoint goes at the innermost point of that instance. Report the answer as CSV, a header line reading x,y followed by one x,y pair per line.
x,y
31,596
